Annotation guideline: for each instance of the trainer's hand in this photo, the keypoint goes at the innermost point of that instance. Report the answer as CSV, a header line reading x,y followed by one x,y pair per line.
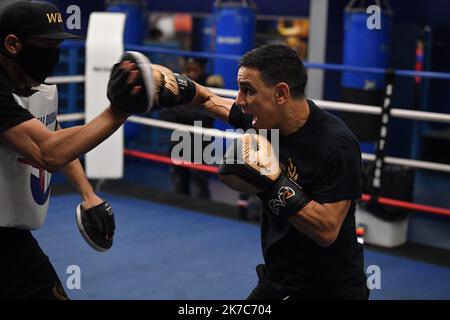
x,y
130,87
124,87
97,225
250,166
171,89
91,200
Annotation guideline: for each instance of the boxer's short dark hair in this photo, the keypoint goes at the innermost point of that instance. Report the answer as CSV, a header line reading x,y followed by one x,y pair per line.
x,y
278,63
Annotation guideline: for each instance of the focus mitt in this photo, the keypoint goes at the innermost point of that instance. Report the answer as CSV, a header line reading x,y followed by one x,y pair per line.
x,y
120,88
97,225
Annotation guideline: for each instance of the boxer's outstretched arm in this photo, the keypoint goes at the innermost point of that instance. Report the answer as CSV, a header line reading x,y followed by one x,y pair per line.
x,y
214,105
174,89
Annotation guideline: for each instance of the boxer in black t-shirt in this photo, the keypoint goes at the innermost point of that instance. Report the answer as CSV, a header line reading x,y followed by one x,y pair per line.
x,y
308,233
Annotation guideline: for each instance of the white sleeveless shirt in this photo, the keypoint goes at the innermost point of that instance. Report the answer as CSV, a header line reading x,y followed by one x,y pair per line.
x,y
24,189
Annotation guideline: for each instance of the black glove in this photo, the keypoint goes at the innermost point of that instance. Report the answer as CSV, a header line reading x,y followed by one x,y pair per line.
x,y
285,198
120,91
97,225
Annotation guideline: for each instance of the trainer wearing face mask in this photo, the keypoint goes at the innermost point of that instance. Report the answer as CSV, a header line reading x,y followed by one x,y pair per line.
x,y
38,56
32,146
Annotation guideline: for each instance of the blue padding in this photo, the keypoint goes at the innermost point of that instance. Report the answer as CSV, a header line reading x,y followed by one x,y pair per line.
x,y
160,252
368,147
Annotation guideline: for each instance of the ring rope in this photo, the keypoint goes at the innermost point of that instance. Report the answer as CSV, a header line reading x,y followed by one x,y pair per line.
x,y
212,169
328,105
418,164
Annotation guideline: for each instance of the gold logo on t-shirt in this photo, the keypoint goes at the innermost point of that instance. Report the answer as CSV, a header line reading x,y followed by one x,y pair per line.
x,y
292,170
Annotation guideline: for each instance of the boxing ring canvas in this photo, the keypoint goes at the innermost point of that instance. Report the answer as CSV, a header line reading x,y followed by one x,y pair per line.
x,y
167,253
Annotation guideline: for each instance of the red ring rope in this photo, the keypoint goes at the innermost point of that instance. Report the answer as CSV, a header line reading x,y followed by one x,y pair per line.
x,y
212,169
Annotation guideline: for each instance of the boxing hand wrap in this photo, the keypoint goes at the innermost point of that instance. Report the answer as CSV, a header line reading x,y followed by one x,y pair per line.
x,y
285,198
171,88
186,87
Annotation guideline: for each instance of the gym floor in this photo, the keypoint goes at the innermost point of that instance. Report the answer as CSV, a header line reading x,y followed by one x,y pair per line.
x,y
165,252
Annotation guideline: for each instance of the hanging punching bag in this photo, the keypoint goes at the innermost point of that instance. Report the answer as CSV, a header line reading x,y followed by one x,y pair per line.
x,y
367,36
234,35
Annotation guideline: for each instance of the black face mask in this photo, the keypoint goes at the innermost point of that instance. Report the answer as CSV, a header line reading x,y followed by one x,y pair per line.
x,y
37,62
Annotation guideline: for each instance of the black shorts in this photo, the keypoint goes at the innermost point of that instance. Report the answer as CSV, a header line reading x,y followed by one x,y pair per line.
x,y
25,271
354,290
263,292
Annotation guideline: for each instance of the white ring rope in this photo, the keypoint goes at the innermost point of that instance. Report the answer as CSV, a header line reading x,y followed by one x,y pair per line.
x,y
361,108
395,112
330,105
65,79
226,134
70,117
418,164
184,127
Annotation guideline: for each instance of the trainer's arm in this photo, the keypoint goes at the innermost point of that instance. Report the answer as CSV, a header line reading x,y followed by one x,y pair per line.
x,y
53,150
74,172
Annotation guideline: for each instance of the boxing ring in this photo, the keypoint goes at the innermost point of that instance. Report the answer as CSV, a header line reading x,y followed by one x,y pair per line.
x,y
400,113
165,252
